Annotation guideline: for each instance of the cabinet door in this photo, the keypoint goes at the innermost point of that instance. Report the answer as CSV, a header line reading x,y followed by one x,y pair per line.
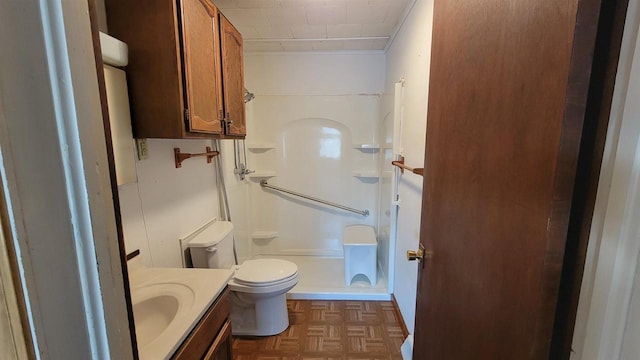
x,y
221,347
233,78
204,339
201,51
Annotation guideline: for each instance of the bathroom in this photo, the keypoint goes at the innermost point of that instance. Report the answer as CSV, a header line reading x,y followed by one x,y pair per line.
x,y
323,123
166,204
320,123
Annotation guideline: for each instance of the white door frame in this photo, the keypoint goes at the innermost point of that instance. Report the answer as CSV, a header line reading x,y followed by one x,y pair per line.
x,y
614,247
56,182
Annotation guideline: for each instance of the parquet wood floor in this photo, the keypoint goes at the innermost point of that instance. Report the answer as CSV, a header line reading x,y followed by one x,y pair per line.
x,y
329,330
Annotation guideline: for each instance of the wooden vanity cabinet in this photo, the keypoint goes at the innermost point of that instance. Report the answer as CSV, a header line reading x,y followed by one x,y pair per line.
x,y
177,85
211,338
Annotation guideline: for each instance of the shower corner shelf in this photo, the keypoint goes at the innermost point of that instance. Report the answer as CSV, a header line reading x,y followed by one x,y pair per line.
x,y
366,146
262,174
261,146
264,235
366,174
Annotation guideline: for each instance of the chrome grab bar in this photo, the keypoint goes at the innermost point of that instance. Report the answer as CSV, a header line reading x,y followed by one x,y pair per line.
x,y
264,184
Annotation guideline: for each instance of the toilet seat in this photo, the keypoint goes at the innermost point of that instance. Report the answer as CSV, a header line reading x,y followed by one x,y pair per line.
x,y
287,279
267,289
264,276
264,271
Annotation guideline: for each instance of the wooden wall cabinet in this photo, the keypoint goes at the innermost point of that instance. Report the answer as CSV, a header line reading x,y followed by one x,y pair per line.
x,y
211,338
185,68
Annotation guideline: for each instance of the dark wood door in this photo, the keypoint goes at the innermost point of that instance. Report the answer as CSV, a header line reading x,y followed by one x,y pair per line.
x,y
233,78
507,91
203,89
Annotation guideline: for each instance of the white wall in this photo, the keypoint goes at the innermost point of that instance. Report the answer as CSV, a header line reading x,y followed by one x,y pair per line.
x,y
409,57
310,73
166,203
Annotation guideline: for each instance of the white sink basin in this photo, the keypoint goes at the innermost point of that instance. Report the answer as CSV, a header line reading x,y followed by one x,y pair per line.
x,y
168,303
156,306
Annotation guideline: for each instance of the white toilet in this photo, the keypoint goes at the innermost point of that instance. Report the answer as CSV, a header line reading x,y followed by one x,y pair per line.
x,y
258,287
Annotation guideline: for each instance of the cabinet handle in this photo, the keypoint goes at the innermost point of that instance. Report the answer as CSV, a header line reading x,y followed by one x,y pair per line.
x,y
228,123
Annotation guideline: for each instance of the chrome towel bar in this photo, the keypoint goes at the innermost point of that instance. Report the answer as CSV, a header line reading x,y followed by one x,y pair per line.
x,y
264,184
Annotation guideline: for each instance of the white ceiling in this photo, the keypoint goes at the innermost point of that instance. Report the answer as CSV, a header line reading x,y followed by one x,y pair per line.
x,y
313,25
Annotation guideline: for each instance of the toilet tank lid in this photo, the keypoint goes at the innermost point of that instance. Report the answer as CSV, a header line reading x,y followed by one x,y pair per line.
x,y
359,234
211,234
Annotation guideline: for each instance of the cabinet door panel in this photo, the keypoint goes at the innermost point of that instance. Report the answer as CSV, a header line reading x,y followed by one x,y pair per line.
x,y
221,347
233,78
201,65
203,337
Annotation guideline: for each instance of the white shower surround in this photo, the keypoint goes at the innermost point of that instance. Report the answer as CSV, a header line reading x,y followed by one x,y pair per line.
x,y
306,127
313,154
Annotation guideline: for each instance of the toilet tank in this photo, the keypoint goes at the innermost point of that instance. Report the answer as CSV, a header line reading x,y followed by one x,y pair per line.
x,y
212,247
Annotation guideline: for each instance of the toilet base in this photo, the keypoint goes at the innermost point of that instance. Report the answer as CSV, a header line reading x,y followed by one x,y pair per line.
x,y
252,316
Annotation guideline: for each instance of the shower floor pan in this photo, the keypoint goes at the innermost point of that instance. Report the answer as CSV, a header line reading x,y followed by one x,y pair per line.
x,y
322,278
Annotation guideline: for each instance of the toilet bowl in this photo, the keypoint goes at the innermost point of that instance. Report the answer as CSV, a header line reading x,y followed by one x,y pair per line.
x,y
259,305
258,287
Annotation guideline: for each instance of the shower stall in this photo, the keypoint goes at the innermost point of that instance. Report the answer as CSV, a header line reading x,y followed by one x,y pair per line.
x,y
311,165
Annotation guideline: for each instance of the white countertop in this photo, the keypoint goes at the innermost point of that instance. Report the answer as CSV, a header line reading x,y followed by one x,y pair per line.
x,y
200,288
